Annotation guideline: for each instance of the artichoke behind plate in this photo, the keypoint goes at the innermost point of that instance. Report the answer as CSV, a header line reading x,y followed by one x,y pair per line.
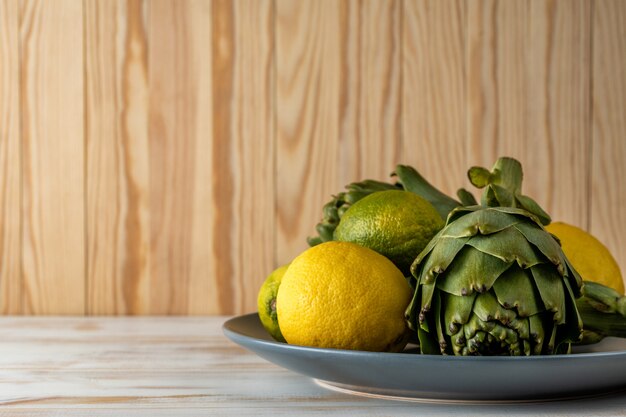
x,y
494,282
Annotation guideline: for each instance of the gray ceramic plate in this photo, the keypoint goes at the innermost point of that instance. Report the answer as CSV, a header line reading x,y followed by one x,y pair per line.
x,y
592,370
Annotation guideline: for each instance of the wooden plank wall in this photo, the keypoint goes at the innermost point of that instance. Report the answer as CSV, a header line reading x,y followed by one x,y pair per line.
x,y
162,156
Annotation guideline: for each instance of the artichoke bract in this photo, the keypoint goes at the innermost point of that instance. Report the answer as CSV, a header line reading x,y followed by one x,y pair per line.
x,y
494,282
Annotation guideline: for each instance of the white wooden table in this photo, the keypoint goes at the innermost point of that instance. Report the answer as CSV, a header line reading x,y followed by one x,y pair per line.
x,y
167,366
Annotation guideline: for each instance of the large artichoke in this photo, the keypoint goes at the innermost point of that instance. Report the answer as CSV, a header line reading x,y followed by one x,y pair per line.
x,y
494,282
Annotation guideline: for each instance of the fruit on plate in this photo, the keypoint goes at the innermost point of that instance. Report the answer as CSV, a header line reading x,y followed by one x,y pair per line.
x,y
494,282
407,178
344,296
588,255
266,302
397,224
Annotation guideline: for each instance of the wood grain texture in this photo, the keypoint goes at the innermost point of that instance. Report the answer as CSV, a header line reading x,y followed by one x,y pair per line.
x,y
339,78
172,366
10,161
163,156
370,123
434,89
608,188
528,97
116,98
308,84
179,155
244,194
51,71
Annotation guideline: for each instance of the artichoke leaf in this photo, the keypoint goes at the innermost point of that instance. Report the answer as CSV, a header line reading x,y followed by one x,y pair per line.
x,y
487,308
471,271
515,288
531,205
537,333
457,311
542,240
427,344
484,222
572,329
412,181
508,245
439,259
441,336
575,280
550,286
467,198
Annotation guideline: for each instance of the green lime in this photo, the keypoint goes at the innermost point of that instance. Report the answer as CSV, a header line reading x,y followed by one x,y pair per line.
x,y
397,224
266,302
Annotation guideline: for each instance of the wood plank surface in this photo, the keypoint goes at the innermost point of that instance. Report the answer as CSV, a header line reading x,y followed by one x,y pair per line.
x,y
528,97
608,188
51,88
338,109
165,366
243,175
10,161
116,99
308,83
180,156
163,156
370,118
434,113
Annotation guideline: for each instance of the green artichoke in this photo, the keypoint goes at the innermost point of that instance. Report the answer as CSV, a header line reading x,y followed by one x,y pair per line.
x,y
494,282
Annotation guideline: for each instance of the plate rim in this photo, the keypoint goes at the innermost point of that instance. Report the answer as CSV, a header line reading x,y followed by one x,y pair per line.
x,y
228,330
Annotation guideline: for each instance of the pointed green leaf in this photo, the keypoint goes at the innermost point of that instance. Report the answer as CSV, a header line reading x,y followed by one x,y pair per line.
x,y
440,257
438,316
415,183
531,205
507,172
487,308
550,286
459,212
457,311
509,245
515,288
542,240
571,331
575,280
537,333
483,222
428,345
504,197
472,270
467,198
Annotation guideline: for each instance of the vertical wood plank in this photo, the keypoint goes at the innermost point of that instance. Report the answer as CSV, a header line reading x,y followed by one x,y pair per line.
x,y
528,96
10,158
608,190
179,155
498,64
243,193
370,123
339,83
308,80
434,112
557,152
116,99
51,41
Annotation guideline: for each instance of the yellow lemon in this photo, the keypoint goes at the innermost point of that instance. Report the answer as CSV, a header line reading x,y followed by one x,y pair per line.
x,y
397,224
344,296
266,302
588,255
